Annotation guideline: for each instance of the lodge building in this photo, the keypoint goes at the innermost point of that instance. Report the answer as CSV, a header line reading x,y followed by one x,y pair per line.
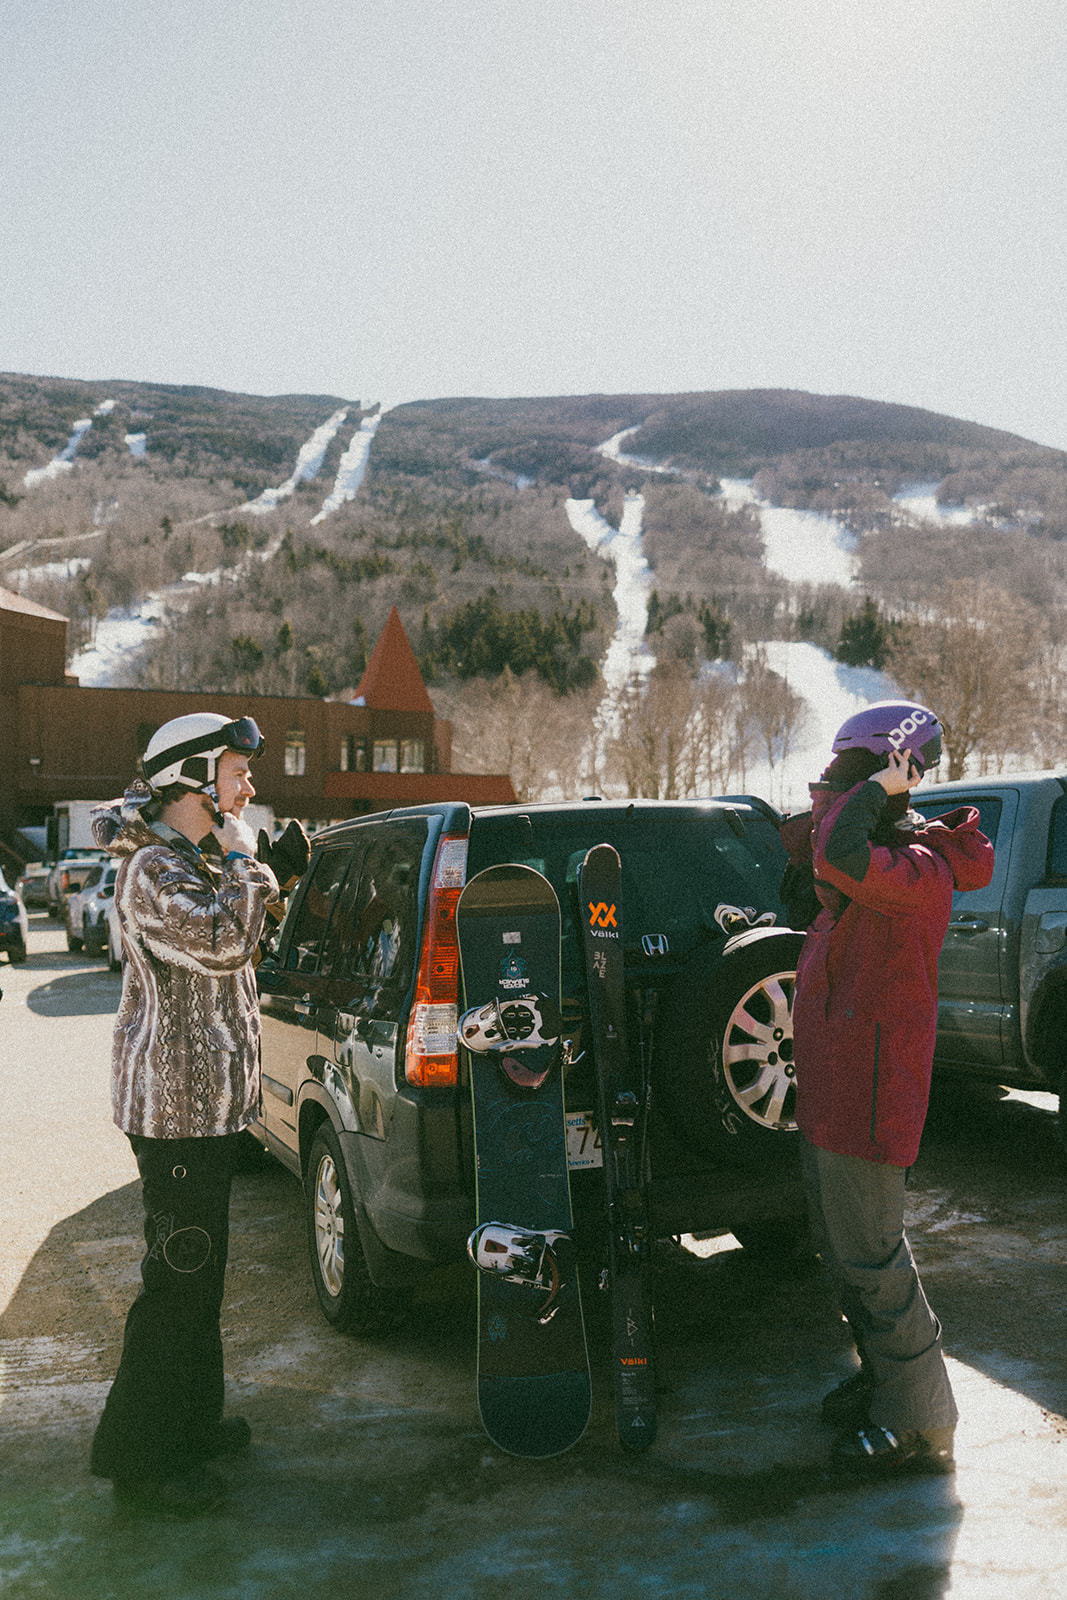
x,y
323,761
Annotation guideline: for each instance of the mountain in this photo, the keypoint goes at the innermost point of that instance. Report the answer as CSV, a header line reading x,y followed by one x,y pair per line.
x,y
267,538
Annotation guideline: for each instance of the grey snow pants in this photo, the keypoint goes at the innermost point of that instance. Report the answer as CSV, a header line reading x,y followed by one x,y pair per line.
x,y
856,1210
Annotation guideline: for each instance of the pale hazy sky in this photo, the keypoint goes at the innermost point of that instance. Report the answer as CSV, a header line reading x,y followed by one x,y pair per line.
x,y
416,198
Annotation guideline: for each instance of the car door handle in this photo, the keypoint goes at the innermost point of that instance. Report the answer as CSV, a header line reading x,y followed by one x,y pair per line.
x,y
970,925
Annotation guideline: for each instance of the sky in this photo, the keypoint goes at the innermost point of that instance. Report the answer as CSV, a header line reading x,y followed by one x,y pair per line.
x,y
385,200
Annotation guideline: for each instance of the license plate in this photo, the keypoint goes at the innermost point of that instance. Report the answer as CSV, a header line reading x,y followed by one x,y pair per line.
x,y
583,1141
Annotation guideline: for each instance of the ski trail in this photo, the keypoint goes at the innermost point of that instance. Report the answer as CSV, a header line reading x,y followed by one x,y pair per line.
x,y
64,461
803,546
612,449
832,692
919,500
351,468
628,654
308,465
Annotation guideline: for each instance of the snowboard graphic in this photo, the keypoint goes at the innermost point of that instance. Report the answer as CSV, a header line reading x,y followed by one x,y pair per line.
x,y
534,1392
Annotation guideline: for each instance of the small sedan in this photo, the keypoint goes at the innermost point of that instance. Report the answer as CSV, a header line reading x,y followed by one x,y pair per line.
x,y
14,927
32,887
85,913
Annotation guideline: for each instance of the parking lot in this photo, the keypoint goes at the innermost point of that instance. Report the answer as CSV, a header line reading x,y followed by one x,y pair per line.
x,y
369,1472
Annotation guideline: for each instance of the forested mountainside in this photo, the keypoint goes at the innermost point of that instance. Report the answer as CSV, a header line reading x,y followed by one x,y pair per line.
x,y
312,515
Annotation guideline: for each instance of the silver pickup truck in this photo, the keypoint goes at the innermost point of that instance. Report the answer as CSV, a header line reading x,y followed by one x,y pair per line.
x,y
1002,977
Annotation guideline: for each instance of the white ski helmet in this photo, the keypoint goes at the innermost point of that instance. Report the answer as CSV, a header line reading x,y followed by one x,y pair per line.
x,y
186,750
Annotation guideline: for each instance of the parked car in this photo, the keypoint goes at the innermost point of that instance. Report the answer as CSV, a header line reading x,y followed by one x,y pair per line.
x,y
68,874
1002,976
365,1093
85,913
114,935
32,887
14,928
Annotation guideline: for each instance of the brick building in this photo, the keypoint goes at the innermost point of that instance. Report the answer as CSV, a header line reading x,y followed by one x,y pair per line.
x,y
324,759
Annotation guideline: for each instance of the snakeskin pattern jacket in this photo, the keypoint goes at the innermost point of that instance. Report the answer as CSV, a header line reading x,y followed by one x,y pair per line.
x,y
185,1059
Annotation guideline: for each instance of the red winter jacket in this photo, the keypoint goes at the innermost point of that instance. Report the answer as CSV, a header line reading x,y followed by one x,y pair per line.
x,y
865,1010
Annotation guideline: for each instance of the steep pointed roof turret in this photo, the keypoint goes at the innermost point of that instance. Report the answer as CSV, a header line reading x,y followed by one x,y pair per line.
x,y
392,681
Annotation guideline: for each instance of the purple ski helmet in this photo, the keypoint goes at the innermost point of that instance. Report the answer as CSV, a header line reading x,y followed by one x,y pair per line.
x,y
893,725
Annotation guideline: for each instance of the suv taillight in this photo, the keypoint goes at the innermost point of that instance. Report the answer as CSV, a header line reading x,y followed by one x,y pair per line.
x,y
431,1057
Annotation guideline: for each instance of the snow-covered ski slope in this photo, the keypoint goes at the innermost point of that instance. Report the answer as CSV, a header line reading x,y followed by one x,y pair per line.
x,y
803,546
628,654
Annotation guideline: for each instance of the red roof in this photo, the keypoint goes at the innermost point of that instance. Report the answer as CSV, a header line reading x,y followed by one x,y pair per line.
x,y
392,681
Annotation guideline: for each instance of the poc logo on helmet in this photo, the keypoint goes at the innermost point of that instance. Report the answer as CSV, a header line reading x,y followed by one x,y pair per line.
x,y
903,731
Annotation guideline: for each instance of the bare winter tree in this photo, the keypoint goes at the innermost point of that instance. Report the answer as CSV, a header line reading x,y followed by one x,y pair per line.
x,y
773,709
544,741
975,660
649,750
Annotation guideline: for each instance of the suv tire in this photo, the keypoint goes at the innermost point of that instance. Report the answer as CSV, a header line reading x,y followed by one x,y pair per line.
x,y
350,1300
17,954
726,1052
73,942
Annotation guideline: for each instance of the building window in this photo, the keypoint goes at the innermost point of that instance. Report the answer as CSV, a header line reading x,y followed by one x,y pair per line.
x,y
385,755
348,753
412,755
295,755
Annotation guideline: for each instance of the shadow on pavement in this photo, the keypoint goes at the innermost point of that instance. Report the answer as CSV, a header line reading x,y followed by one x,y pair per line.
x,y
88,992
370,1475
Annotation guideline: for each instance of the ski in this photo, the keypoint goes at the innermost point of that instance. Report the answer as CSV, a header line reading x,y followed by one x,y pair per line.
x,y
623,1107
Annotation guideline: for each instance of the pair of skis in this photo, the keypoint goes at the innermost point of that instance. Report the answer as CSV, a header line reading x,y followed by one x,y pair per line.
x,y
534,1392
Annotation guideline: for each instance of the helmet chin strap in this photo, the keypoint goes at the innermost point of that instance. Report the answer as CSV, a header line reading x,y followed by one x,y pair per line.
x,y
211,795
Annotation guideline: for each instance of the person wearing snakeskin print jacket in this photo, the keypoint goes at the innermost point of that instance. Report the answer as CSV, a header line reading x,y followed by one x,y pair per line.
x,y
185,1083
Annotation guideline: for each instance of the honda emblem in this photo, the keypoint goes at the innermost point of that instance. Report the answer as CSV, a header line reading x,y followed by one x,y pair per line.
x,y
654,944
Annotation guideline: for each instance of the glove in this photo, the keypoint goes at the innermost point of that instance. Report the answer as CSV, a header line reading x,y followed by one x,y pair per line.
x,y
288,856
235,835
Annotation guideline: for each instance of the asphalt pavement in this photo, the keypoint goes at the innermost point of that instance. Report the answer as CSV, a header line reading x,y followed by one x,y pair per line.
x,y
369,1473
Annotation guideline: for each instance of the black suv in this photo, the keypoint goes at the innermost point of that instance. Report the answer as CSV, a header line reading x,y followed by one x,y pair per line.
x,y
365,1093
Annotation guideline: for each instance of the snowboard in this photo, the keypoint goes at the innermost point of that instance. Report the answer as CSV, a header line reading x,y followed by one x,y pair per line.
x,y
623,1106
534,1393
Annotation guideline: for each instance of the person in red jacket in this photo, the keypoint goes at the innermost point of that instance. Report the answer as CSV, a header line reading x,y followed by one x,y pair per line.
x,y
865,1020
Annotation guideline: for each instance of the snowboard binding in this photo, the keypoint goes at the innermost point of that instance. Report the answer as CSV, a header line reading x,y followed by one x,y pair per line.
x,y
533,1260
524,1023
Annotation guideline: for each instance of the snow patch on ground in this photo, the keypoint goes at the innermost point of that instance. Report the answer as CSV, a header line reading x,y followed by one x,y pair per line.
x,y
137,443
919,500
118,638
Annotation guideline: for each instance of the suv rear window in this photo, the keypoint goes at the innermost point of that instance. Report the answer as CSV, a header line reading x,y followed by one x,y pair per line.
x,y
677,866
